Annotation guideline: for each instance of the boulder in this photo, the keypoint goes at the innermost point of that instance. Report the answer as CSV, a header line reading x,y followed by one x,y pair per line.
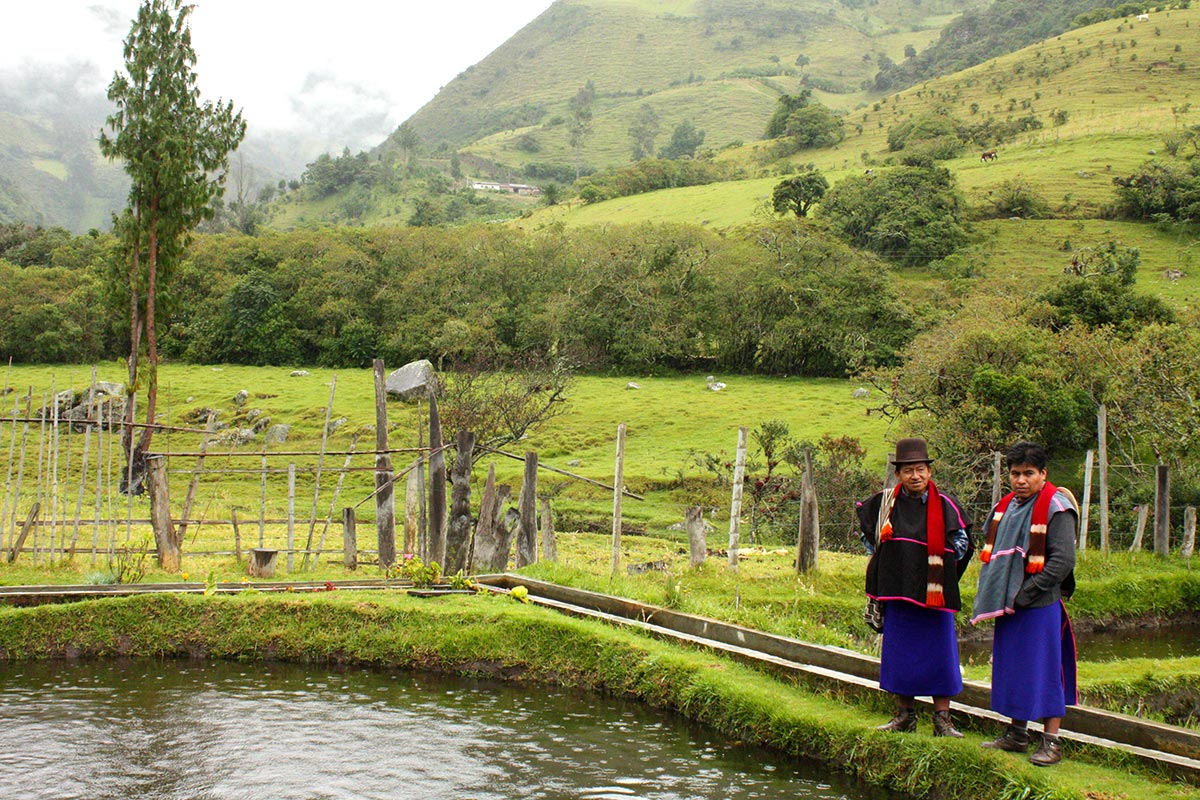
x,y
79,406
412,382
298,373
240,398
278,434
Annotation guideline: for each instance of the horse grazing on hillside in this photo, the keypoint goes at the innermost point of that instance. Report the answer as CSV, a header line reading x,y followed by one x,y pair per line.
x,y
988,155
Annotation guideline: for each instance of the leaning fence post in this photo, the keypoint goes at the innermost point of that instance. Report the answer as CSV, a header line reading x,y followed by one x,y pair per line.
x,y
1086,500
1142,512
20,542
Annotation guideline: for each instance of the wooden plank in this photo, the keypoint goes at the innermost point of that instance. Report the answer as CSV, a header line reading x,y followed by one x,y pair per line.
x,y
1102,452
349,539
20,542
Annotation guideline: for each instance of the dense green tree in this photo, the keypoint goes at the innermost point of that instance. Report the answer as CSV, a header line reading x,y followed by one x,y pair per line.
x,y
907,214
798,194
175,150
785,106
1097,291
685,138
815,126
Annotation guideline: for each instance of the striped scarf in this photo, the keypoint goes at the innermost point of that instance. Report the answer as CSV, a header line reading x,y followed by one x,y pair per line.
x,y
1035,559
935,536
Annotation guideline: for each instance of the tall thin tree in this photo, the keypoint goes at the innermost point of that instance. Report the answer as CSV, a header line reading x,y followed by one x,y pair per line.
x,y
175,150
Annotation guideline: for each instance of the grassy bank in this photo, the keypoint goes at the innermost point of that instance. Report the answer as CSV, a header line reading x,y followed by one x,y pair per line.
x,y
495,637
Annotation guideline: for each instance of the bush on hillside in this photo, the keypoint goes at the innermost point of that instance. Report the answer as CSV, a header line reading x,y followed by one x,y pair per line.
x,y
1161,189
1018,197
649,175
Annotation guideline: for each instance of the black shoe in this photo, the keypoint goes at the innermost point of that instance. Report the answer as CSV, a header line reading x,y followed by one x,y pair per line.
x,y
905,721
1014,740
1048,752
944,726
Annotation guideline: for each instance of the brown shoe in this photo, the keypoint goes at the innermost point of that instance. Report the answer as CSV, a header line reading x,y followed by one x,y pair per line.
x,y
1014,740
944,726
1048,752
905,721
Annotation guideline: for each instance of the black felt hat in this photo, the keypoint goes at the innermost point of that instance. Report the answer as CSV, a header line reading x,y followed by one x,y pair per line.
x,y
911,451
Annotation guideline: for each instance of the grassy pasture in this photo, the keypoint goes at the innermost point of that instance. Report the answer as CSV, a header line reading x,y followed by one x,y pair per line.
x,y
667,419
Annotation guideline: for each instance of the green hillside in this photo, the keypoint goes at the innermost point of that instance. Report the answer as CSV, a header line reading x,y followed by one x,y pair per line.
x,y
1119,86
678,54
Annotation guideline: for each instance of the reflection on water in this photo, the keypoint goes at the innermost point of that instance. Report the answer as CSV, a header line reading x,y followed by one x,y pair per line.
x,y
1168,641
173,729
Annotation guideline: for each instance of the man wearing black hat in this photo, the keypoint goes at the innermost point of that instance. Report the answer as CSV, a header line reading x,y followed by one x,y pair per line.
x,y
920,544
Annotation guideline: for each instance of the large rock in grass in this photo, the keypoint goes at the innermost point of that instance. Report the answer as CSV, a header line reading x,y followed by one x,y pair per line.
x,y
82,406
412,382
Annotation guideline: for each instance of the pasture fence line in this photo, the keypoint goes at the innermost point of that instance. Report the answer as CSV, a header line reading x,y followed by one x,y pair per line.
x,y
63,498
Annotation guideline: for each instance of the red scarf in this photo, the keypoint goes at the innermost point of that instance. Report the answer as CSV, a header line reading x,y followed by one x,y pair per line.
x,y
1035,560
935,536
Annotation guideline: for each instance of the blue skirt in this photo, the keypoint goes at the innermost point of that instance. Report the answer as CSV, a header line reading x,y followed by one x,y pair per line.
x,y
1033,664
920,652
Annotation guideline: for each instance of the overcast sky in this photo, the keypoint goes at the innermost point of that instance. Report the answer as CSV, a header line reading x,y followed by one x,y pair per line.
x,y
361,66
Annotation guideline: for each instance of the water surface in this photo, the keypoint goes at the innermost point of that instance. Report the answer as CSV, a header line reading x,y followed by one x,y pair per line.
x,y
168,730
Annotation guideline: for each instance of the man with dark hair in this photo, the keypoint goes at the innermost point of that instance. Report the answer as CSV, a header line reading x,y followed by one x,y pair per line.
x,y
920,545
1027,570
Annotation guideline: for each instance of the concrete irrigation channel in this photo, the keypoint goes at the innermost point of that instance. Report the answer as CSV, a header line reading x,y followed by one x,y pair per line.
x,y
1173,749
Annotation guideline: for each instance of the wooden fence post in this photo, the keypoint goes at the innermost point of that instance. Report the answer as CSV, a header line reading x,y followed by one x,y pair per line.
x,y
997,478
237,535
735,505
1102,437
527,506
411,489
385,507
458,537
1189,532
549,545
1162,510
291,519
312,519
349,539
1143,511
1086,500
693,522
618,487
437,485
809,534
166,538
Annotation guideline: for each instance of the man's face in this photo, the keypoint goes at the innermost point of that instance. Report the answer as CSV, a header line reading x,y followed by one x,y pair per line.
x,y
914,477
1026,479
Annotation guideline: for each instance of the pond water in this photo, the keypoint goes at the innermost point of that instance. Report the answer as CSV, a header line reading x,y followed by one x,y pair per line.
x,y
1165,641
161,730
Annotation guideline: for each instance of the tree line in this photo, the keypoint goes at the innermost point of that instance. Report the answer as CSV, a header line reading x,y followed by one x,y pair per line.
x,y
783,298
